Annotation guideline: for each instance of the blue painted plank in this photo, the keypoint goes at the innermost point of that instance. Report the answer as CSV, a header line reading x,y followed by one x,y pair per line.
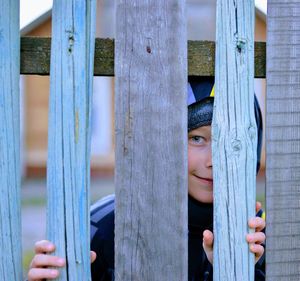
x,y
234,140
68,171
10,207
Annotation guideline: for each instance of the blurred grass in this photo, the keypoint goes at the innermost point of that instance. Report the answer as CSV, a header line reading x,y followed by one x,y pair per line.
x,y
34,201
27,257
41,201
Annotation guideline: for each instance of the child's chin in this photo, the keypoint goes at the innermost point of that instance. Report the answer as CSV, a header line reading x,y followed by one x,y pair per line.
x,y
203,198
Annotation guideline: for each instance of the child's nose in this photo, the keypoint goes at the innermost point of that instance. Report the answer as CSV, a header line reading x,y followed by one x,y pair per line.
x,y
209,158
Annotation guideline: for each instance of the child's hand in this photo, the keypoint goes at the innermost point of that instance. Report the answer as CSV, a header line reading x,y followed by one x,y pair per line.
x,y
254,239
257,238
42,260
208,245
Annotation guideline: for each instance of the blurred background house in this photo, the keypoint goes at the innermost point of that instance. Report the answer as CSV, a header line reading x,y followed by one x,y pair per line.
x,y
36,21
35,89
35,102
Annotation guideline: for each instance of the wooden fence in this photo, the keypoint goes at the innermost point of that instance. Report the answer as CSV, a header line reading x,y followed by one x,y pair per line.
x,y
151,56
282,141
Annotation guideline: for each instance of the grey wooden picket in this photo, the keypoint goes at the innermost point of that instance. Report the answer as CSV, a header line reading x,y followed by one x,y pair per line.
x,y
10,207
283,141
234,140
151,141
68,167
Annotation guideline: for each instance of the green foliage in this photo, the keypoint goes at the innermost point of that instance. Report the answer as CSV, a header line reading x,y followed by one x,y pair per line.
x,y
27,257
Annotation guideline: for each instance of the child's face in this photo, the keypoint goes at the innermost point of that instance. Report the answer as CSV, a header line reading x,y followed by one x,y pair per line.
x,y
200,178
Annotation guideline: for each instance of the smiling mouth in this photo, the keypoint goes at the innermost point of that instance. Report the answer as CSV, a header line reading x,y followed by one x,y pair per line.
x,y
205,180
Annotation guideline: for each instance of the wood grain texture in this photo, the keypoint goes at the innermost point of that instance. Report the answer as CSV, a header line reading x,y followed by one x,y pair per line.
x,y
234,140
10,205
68,165
35,57
283,141
151,141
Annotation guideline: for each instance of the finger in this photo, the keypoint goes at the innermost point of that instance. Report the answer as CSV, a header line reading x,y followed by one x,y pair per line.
x,y
208,239
257,223
257,206
44,246
258,250
93,256
41,260
35,274
257,237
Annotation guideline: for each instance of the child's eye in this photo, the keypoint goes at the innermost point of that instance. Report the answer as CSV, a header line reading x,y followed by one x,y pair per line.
x,y
197,139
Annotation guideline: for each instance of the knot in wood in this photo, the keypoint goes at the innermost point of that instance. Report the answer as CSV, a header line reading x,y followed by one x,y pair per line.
x,y
241,44
252,132
71,40
236,146
149,51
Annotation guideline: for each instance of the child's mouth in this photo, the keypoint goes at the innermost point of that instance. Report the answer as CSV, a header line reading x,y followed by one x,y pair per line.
x,y
205,181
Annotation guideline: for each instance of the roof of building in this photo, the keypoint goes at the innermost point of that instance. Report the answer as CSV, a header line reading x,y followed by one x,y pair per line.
x,y
33,13
261,8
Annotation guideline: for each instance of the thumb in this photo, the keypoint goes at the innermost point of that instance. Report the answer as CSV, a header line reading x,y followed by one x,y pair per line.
x,y
93,256
208,243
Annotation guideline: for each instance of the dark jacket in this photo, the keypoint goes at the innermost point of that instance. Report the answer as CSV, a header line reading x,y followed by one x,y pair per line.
x,y
200,218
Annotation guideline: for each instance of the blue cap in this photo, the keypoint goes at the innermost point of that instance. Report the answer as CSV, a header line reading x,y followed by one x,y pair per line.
x,y
199,89
200,102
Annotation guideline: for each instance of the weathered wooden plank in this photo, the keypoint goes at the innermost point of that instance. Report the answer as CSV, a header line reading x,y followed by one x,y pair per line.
x,y
151,141
283,141
69,135
234,140
35,57
10,205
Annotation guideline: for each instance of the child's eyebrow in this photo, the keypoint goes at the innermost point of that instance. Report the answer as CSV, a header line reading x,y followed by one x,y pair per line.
x,y
201,130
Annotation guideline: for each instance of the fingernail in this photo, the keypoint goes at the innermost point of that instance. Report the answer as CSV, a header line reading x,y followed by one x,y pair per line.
x,y
61,261
54,273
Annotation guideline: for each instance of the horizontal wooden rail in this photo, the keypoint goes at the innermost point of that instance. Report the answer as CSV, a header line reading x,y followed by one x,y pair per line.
x,y
35,57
